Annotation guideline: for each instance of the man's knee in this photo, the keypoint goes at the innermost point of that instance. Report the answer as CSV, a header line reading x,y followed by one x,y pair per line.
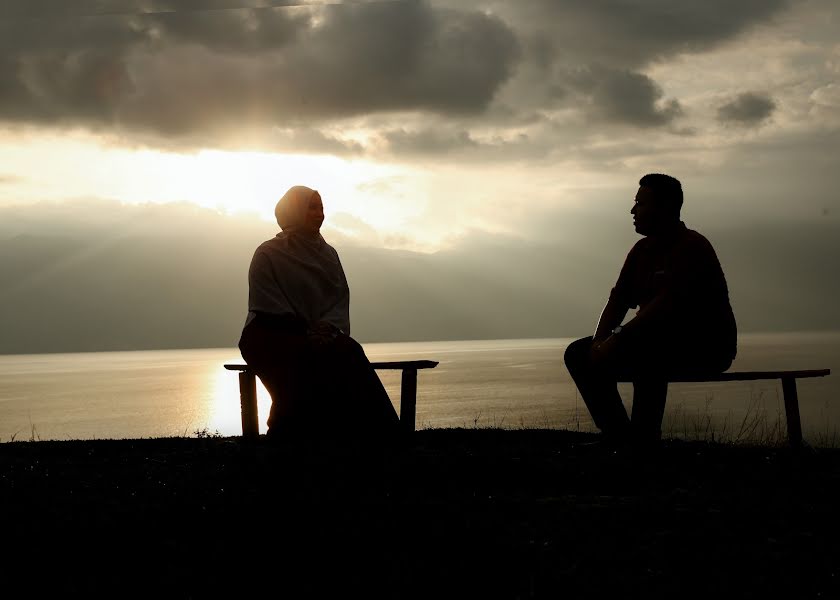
x,y
577,353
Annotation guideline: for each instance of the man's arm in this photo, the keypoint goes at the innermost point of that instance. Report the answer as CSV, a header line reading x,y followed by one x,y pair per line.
x,y
620,301
654,311
611,317
622,298
604,343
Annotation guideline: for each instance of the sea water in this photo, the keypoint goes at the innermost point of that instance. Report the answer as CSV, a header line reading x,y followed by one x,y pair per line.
x,y
501,383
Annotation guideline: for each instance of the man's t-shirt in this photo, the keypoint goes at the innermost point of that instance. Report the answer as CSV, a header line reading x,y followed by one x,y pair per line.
x,y
683,269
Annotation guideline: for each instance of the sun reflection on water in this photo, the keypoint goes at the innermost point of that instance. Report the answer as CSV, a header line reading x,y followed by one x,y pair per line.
x,y
225,416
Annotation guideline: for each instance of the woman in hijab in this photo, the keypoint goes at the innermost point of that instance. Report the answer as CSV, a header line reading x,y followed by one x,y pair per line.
x,y
297,334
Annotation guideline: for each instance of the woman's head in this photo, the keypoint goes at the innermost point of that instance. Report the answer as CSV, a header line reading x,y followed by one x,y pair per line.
x,y
300,209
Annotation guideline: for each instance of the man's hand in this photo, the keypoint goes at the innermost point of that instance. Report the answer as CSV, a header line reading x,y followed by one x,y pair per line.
x,y
604,351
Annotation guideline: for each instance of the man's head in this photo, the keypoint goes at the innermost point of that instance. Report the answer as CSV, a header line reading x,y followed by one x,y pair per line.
x,y
657,205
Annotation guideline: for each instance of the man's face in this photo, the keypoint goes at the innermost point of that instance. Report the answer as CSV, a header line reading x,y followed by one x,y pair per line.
x,y
647,212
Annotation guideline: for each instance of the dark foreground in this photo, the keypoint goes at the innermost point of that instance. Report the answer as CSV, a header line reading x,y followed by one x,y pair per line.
x,y
459,513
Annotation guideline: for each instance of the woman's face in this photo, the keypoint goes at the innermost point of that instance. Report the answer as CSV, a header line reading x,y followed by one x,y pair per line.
x,y
314,215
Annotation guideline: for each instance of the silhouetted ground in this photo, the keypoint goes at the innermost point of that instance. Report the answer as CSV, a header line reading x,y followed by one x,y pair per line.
x,y
459,513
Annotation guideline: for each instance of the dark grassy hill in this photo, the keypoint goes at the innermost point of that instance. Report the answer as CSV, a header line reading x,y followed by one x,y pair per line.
x,y
458,513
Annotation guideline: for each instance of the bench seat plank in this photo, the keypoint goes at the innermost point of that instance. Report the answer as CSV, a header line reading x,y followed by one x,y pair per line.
x,y
394,365
406,364
746,376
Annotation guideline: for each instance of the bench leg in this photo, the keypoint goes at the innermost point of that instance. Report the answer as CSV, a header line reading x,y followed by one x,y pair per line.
x,y
408,399
794,424
248,400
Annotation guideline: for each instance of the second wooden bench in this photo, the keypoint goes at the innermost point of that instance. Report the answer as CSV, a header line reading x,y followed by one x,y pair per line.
x,y
791,398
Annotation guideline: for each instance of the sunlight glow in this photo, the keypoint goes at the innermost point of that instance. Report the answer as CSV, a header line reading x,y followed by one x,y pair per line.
x,y
379,204
382,196
225,416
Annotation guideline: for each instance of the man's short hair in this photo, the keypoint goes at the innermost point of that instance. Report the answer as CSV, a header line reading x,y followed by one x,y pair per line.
x,y
667,188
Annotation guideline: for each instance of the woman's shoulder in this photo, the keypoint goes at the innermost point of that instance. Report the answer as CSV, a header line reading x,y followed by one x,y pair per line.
x,y
278,241
284,243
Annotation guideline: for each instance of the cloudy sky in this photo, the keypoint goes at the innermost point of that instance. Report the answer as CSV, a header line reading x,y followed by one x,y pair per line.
x,y
462,136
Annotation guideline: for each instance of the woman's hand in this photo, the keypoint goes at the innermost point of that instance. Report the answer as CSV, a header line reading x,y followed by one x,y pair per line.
x,y
321,333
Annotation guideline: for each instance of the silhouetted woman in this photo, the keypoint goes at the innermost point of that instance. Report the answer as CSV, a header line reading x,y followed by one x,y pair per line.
x,y
297,335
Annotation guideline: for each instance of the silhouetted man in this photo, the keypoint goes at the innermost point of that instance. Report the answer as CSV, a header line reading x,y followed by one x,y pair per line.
x,y
684,324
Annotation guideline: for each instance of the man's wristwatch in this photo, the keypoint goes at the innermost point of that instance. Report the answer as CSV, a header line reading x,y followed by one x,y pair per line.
x,y
617,330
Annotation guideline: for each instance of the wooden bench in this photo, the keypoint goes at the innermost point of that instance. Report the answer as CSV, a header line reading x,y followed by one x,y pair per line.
x,y
794,424
408,393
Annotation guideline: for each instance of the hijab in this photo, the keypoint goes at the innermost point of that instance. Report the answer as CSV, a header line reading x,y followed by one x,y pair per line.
x,y
298,273
292,208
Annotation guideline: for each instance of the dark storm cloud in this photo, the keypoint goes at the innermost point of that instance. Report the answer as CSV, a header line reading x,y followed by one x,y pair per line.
x,y
393,56
55,69
630,32
62,9
28,38
428,141
749,109
232,30
625,97
206,73
210,71
592,56
78,88
433,139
